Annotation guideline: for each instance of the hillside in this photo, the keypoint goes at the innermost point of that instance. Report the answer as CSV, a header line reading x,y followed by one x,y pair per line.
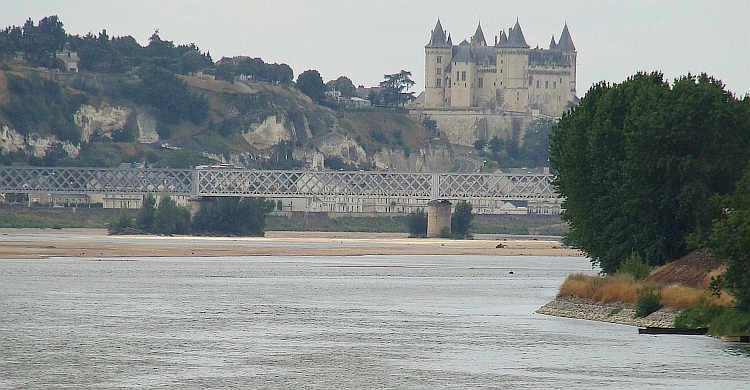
x,y
94,119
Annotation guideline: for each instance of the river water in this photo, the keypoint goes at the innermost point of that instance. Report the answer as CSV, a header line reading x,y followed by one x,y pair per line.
x,y
371,322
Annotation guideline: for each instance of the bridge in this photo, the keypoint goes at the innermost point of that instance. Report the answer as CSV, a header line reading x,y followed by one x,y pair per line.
x,y
397,187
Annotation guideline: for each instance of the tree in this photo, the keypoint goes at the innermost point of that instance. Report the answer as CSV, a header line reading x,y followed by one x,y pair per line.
x,y
40,43
234,215
637,163
535,149
393,87
417,223
145,218
343,85
730,239
461,220
311,84
170,218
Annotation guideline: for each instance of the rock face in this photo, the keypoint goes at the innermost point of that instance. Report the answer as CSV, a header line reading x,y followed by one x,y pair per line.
x,y
268,133
13,141
102,121
435,159
587,310
340,145
146,128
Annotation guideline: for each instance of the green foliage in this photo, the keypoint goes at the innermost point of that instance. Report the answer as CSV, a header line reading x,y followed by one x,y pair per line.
x,y
343,85
731,322
122,220
145,218
699,315
730,239
41,106
238,216
182,159
429,124
416,223
169,218
635,266
170,96
637,163
648,302
461,220
393,90
311,84
39,43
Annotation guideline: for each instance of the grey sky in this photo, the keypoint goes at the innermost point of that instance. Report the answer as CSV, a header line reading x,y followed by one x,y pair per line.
x,y
365,39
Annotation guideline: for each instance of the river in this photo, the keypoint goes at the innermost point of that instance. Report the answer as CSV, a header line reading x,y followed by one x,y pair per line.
x,y
365,322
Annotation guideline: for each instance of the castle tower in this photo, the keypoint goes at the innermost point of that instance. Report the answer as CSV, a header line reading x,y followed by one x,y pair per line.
x,y
512,57
437,59
565,44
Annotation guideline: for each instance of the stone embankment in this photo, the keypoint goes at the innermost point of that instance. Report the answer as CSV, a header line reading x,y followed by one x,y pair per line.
x,y
615,312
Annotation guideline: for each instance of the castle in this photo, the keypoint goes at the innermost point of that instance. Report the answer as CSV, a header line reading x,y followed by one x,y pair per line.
x,y
508,76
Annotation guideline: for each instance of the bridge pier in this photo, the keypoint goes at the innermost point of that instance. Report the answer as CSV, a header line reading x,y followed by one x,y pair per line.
x,y
439,218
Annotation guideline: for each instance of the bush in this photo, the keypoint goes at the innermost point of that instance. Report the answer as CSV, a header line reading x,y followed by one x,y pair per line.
x,y
417,224
634,265
698,316
648,302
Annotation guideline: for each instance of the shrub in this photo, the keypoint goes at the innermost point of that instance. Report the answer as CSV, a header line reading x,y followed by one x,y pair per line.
x,y
699,315
634,265
648,302
417,223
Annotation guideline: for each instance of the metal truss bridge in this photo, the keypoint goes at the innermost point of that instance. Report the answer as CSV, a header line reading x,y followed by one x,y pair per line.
x,y
279,184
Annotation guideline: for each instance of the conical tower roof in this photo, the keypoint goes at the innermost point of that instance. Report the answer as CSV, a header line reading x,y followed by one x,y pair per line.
x,y
478,38
552,43
437,38
566,42
516,38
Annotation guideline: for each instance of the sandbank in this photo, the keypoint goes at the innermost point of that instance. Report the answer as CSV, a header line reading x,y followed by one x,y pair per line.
x,y
45,243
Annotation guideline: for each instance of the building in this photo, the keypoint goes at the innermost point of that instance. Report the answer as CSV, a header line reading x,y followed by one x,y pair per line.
x,y
507,76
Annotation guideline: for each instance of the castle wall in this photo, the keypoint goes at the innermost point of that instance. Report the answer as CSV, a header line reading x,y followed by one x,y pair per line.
x,y
463,127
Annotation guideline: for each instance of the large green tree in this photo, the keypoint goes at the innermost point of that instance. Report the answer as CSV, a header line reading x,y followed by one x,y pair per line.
x,y
638,161
311,84
730,239
394,87
461,220
233,215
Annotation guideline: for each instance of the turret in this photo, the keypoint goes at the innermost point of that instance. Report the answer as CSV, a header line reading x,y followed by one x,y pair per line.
x,y
437,58
478,38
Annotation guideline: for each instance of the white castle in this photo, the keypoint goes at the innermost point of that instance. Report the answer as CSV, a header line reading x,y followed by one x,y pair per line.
x,y
507,76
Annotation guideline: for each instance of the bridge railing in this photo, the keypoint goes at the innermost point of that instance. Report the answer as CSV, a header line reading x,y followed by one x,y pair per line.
x,y
290,184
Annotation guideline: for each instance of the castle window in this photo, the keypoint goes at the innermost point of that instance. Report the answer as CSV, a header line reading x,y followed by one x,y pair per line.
x,y
463,75
439,60
486,63
480,83
537,83
554,85
546,85
458,76
439,71
437,82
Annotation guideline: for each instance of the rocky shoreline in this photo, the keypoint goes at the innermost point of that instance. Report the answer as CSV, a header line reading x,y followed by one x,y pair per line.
x,y
615,312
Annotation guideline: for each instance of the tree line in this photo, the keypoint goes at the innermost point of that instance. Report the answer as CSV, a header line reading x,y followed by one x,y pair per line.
x,y
654,170
225,215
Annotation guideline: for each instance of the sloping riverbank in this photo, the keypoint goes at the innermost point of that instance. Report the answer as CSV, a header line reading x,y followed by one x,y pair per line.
x,y
615,312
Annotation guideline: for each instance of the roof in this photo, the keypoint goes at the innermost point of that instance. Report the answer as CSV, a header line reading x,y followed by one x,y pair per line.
x,y
516,38
478,38
552,42
437,38
566,42
462,53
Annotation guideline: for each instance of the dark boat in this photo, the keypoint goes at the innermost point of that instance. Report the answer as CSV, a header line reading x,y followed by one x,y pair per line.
x,y
658,330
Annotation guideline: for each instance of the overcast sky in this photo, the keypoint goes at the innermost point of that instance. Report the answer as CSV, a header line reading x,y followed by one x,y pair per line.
x,y
365,39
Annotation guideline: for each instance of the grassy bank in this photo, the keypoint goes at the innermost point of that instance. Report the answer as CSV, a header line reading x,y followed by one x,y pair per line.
x,y
681,285
18,216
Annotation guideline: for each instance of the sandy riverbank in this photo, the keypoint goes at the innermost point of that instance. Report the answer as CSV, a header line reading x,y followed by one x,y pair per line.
x,y
41,243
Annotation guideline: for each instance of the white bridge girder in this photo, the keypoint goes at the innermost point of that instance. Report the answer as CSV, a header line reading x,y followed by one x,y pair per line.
x,y
278,184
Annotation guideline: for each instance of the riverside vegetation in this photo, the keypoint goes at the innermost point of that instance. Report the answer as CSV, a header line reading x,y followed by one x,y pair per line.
x,y
650,172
